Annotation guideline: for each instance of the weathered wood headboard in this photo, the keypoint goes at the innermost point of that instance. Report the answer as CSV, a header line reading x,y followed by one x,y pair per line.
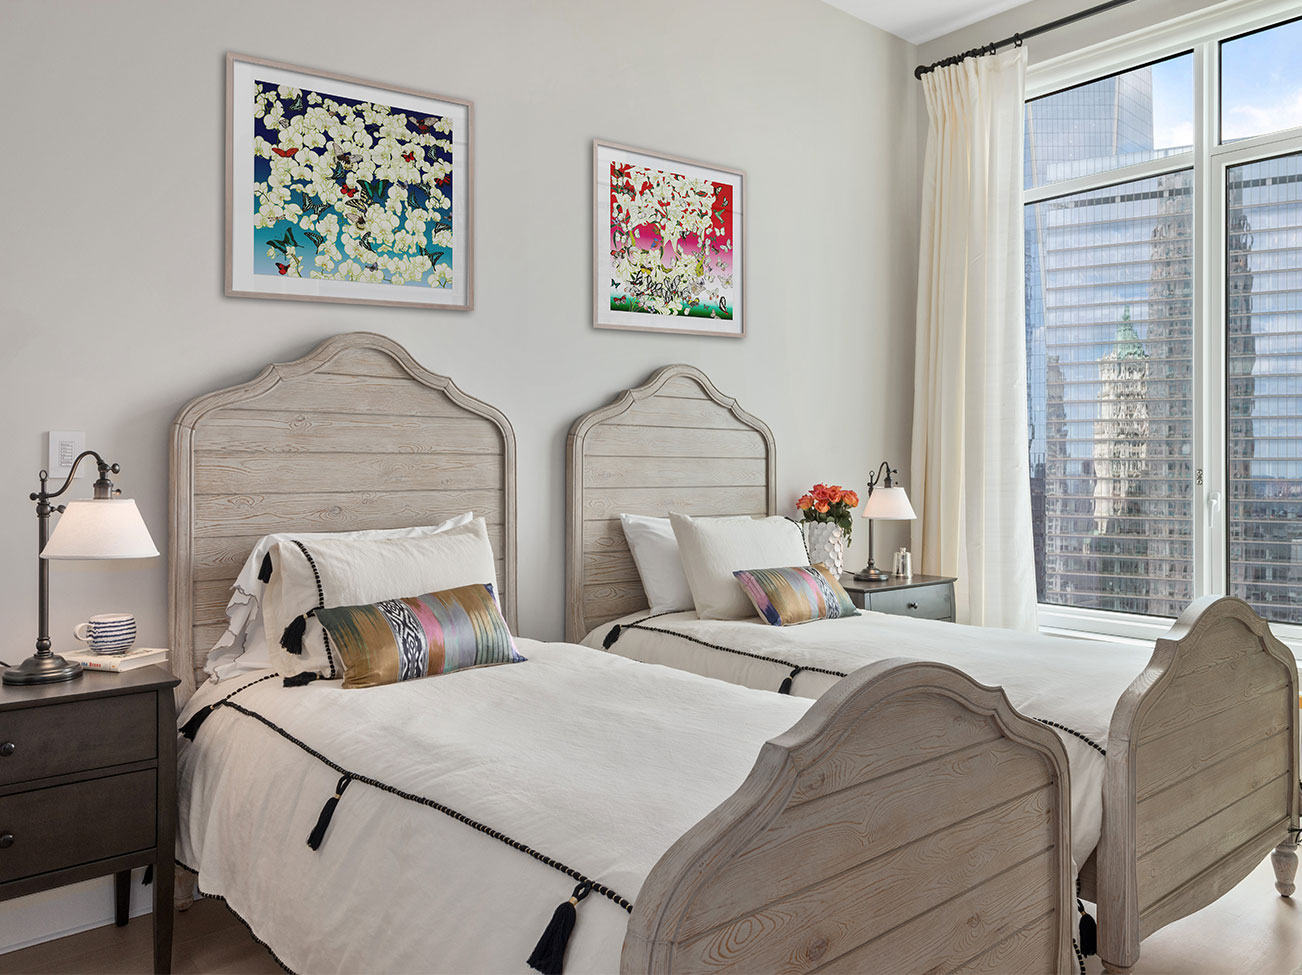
x,y
355,435
675,443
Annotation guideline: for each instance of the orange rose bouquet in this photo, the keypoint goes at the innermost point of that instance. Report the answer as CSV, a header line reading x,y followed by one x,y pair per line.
x,y
830,503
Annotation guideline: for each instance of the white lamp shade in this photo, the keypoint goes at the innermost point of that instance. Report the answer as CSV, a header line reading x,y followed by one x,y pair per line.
x,y
108,528
889,504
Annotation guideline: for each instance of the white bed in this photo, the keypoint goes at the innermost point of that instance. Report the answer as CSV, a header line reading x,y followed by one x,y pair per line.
x,y
1078,692
909,819
531,749
1200,778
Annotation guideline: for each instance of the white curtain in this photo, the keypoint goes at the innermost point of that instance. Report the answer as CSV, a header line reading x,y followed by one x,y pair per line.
x,y
969,476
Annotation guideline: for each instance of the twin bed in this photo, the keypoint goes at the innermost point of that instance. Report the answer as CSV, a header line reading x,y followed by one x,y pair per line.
x,y
910,819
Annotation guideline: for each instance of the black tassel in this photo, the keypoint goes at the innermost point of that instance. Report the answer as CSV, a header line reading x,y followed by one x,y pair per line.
x,y
549,955
315,838
611,637
264,573
292,638
300,680
191,727
1089,932
785,687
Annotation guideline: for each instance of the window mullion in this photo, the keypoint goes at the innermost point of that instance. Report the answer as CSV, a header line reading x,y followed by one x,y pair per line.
x,y
1209,332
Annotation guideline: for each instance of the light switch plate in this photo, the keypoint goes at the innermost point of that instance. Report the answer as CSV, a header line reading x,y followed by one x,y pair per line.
x,y
64,446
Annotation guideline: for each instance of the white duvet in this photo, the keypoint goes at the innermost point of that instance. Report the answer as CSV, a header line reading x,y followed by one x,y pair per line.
x,y
1075,683
588,758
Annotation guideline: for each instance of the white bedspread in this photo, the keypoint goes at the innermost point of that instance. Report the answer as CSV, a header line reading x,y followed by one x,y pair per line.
x,y
1075,683
591,760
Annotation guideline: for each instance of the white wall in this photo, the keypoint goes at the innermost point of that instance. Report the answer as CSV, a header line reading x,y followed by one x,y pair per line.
x,y
112,309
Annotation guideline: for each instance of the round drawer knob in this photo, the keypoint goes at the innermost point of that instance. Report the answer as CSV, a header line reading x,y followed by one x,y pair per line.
x,y
7,749
913,605
6,840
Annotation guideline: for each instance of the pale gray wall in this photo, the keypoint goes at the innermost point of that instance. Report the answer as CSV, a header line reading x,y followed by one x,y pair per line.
x,y
112,311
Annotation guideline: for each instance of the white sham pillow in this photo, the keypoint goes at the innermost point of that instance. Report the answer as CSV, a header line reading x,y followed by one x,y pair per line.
x,y
712,549
331,572
243,647
655,553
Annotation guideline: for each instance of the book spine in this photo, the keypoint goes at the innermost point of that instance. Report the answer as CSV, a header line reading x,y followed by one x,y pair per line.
x,y
101,665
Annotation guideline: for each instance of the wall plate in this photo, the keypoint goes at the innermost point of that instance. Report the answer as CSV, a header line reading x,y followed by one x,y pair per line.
x,y
64,446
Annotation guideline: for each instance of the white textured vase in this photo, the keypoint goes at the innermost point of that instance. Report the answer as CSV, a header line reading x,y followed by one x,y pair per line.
x,y
826,543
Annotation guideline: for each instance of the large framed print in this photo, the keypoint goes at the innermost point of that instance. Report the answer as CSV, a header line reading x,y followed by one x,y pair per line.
x,y
339,189
668,243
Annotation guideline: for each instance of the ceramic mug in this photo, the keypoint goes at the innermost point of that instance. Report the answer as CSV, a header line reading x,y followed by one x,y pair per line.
x,y
108,632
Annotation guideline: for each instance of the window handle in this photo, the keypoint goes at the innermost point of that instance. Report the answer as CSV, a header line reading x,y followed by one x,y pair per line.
x,y
1213,508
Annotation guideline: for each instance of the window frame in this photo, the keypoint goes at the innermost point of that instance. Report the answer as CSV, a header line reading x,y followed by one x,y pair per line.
x,y
1200,33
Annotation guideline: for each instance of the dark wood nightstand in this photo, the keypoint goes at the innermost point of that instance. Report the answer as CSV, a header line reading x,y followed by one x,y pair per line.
x,y
922,597
88,788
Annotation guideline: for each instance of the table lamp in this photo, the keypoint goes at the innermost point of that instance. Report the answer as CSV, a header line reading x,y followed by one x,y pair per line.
x,y
887,502
108,527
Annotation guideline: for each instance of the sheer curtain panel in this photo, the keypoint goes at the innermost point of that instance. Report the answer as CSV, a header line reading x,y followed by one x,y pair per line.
x,y
969,475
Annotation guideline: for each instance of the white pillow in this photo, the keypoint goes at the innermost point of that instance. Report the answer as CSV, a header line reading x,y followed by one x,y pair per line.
x,y
243,647
712,549
337,571
655,553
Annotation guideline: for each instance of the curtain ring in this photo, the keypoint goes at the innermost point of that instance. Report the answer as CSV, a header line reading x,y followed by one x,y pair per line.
x,y
1017,40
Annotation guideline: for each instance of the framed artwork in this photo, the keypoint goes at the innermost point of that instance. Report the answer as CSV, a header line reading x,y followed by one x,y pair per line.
x,y
339,189
668,243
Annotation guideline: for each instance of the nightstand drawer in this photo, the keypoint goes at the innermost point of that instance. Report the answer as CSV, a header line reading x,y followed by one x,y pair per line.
x,y
77,736
924,602
68,825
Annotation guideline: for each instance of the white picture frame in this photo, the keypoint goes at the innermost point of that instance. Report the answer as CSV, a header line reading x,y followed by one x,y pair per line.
x,y
420,165
699,287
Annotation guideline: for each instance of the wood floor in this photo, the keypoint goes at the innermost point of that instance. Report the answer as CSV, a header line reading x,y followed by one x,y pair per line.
x,y
1250,931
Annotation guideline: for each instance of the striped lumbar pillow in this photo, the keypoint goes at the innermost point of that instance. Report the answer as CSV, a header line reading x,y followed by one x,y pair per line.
x,y
797,594
419,636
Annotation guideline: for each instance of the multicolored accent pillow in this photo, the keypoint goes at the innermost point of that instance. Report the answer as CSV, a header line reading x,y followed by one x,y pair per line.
x,y
796,595
419,636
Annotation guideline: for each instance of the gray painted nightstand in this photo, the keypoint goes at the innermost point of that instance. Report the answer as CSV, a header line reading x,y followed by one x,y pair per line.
x,y
88,788
922,597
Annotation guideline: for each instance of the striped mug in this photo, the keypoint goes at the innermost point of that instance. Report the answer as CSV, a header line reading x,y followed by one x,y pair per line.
x,y
108,632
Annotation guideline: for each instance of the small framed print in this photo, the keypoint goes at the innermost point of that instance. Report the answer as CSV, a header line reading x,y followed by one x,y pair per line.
x,y
339,189
668,243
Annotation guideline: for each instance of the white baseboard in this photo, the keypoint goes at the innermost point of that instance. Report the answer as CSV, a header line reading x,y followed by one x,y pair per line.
x,y
30,920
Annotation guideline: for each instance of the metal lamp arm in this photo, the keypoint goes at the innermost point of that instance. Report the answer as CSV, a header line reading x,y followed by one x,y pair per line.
x,y
881,476
103,486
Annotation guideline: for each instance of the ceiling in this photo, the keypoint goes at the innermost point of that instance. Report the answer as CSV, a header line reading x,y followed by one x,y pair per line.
x,y
918,21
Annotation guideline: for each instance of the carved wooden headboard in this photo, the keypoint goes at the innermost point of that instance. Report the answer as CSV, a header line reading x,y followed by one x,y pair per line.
x,y
355,435
675,443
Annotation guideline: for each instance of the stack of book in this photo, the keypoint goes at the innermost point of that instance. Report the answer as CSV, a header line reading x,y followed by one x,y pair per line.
x,y
117,662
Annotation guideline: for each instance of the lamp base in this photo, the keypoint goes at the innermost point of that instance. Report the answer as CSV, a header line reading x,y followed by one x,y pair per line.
x,y
42,670
871,574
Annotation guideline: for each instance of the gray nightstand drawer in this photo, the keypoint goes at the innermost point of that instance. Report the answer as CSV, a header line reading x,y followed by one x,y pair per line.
x,y
77,737
923,602
68,825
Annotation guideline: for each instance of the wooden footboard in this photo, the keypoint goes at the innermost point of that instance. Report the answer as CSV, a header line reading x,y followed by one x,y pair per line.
x,y
1202,773
912,821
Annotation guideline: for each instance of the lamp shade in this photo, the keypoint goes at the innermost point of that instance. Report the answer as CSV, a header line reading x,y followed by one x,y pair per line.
x,y
108,528
889,504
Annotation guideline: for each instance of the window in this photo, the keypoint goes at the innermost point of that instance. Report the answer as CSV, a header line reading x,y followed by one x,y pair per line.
x,y
1261,82
1163,248
1130,117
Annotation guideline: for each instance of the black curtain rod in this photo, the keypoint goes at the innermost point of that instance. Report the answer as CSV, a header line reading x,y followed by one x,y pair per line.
x,y
1017,39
